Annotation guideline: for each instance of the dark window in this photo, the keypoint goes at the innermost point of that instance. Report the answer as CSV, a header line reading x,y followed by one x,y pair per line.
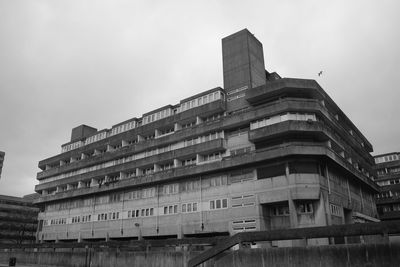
x,y
303,167
271,171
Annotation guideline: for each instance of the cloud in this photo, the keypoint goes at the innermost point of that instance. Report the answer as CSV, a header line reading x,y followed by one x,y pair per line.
x,y
65,63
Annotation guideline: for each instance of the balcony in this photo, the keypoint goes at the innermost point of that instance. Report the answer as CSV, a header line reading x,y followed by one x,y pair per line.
x,y
186,152
245,160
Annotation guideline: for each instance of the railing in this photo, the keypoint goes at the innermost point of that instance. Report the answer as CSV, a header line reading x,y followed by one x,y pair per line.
x,y
141,244
380,228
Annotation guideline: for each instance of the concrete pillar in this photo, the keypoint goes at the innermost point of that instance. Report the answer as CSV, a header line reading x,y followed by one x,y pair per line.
x,y
198,158
124,143
84,156
156,168
292,206
109,148
122,175
140,138
62,163
93,182
177,127
44,192
80,184
157,133
177,163
328,143
47,167
69,186
198,120
96,152
138,172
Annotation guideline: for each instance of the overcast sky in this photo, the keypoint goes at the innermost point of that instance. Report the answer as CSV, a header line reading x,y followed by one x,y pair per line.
x,y
66,63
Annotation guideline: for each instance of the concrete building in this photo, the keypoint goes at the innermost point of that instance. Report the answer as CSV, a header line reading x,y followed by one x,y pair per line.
x,y
263,153
2,155
18,219
388,178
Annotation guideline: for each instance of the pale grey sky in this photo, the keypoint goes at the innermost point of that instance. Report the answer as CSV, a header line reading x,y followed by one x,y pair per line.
x,y
65,63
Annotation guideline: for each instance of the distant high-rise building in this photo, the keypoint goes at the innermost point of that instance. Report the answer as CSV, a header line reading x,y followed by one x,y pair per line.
x,y
264,153
18,219
2,155
388,171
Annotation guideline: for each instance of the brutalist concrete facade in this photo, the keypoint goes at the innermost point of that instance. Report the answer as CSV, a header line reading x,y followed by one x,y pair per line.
x,y
388,178
263,153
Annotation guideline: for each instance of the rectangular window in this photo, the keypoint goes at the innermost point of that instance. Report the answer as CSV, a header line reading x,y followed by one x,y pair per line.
x,y
218,204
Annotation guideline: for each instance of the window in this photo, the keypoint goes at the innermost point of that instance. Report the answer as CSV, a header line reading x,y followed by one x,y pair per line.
x,y
189,207
171,209
305,207
170,189
219,204
280,210
335,210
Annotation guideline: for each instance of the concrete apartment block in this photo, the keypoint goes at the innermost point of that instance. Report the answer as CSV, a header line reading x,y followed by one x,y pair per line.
x,y
263,153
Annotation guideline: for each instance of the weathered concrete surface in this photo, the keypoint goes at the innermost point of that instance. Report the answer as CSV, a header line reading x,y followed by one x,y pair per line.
x,y
326,256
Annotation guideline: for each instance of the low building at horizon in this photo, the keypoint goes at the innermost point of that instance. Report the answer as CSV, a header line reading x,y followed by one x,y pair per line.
x,y
262,153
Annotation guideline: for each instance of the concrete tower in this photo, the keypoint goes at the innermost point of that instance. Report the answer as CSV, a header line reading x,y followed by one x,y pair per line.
x,y
243,66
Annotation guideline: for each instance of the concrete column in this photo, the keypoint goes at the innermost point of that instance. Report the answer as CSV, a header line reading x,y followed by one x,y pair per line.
x,y
140,138
157,133
177,127
96,152
328,143
84,156
109,148
44,192
93,182
177,163
198,120
138,172
47,167
124,143
80,184
292,206
198,158
122,175
327,175
69,187
62,163
156,168
362,199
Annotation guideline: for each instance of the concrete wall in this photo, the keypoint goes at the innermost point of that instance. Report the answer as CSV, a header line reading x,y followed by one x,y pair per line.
x,y
338,255
100,258
327,256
